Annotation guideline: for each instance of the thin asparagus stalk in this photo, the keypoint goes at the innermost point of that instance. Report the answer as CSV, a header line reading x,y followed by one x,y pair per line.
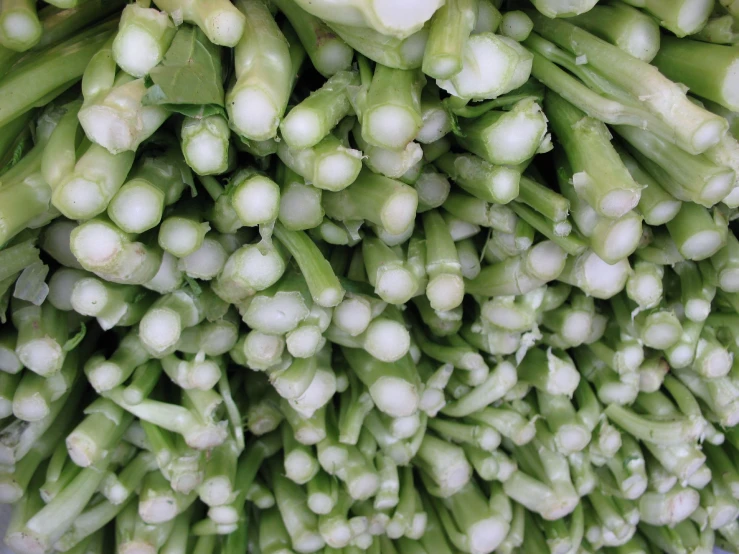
x,y
328,53
516,25
587,145
697,132
624,26
450,29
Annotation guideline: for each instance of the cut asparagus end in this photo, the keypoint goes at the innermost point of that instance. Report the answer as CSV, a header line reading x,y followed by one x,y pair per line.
x,y
729,280
263,350
387,340
395,397
96,244
256,200
21,29
136,209
304,341
618,202
253,114
692,16
702,244
564,8
396,285
206,438
602,279
663,212
89,297
277,315
83,450
485,535
206,262
299,128
43,356
80,198
337,170
492,65
160,329
697,309
22,541
224,27
136,51
216,490
9,361
546,261
352,315
333,57
572,438
206,153
399,213
717,187
402,19
445,292
32,408
104,376
159,509
576,326
621,240
394,124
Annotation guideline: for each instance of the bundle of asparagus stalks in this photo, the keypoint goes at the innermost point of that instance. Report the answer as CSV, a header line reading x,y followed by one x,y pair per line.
x,y
342,276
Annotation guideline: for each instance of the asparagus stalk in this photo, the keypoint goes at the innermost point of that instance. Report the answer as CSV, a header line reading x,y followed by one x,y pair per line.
x,y
257,101
385,202
390,51
310,121
220,21
144,35
393,387
511,61
450,28
696,133
516,25
491,183
570,8
102,248
205,144
600,177
20,28
376,15
484,136
155,182
59,65
681,18
42,335
631,30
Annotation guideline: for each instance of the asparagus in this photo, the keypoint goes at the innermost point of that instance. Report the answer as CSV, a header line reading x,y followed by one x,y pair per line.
x,y
682,19
263,68
695,134
220,21
381,17
624,26
143,37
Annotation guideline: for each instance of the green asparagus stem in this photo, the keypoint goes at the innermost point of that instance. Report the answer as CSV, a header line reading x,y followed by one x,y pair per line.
x,y
257,100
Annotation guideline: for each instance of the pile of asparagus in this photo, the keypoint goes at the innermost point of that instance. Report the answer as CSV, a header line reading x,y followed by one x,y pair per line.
x,y
415,277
